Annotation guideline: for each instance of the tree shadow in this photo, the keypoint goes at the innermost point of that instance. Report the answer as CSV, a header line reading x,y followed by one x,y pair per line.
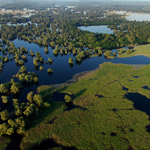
x,y
79,93
141,103
50,143
15,143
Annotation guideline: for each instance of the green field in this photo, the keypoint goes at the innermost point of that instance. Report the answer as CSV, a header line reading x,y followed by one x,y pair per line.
x,y
139,50
101,116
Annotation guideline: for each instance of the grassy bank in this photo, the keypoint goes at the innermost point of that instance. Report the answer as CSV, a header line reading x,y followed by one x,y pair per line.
x,y
104,114
139,50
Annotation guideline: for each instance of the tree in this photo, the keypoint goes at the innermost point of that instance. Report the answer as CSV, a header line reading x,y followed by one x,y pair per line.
x,y
10,131
14,89
41,68
38,99
4,115
70,60
68,98
50,71
12,123
36,79
3,88
4,99
114,54
30,96
3,128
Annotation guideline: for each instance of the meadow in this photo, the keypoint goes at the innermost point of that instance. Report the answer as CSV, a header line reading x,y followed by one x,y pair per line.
x,y
109,110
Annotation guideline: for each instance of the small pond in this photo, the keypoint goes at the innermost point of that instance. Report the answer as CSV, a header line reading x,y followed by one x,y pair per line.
x,y
97,29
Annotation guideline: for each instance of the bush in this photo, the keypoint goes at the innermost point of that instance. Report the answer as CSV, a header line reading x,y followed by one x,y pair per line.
x,y
10,131
107,53
4,115
50,60
50,71
36,79
14,89
70,61
4,99
3,88
3,128
21,130
114,54
12,123
41,68
46,104
38,99
68,98
30,96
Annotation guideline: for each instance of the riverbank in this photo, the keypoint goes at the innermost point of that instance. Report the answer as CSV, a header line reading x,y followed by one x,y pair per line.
x,y
139,50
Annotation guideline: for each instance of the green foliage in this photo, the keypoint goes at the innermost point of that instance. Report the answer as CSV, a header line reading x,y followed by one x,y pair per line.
x,y
41,68
46,104
21,130
38,99
12,123
30,96
4,115
3,128
68,98
10,131
22,69
36,79
107,53
50,60
4,99
49,71
3,88
70,60
114,54
14,89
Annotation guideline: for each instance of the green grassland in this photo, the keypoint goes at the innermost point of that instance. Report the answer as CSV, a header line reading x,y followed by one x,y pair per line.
x,y
101,116
139,50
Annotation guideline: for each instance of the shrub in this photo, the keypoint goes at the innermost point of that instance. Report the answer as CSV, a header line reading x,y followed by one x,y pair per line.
x,y
4,99
36,79
70,61
114,54
50,60
50,71
41,68
30,96
14,89
107,53
3,88
68,98
46,104
12,123
3,128
10,131
4,115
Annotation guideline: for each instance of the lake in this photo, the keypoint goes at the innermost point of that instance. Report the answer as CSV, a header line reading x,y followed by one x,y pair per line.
x,y
97,29
135,16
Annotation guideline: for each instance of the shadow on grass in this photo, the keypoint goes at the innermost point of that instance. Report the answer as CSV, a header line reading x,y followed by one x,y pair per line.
x,y
141,103
71,106
15,142
79,93
49,144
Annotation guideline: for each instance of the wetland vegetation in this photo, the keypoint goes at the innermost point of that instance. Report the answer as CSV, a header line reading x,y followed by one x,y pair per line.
x,y
107,108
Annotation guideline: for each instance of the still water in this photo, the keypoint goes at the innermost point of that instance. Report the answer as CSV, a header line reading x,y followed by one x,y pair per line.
x,y
61,69
97,29
135,16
